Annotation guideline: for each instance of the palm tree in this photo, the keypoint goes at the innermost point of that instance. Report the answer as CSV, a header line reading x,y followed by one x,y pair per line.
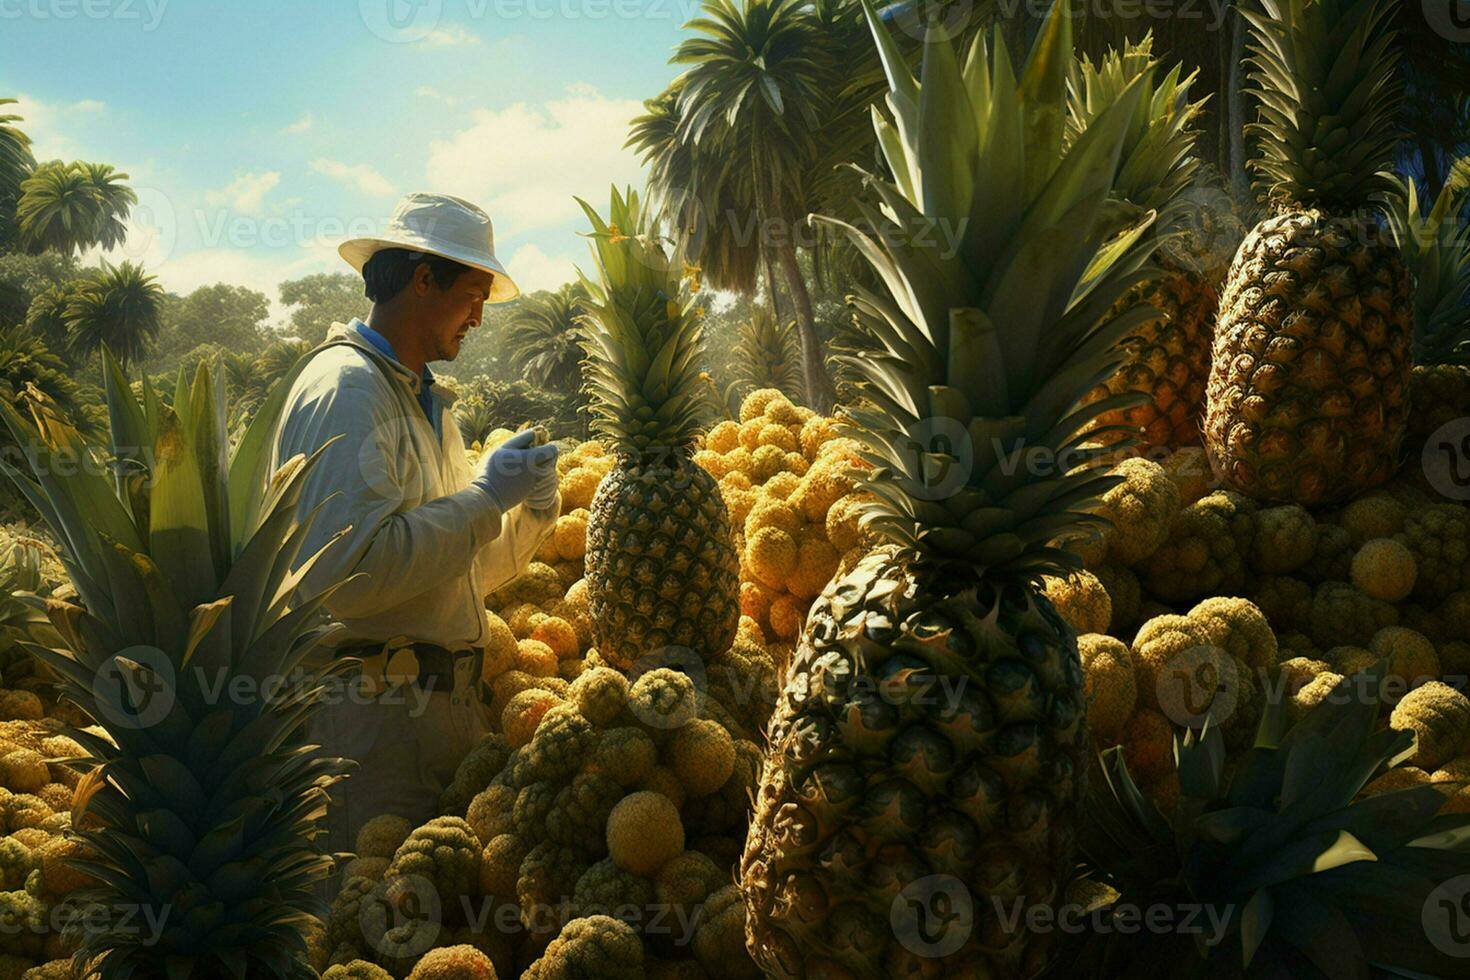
x,y
278,359
16,164
751,104
729,255
115,202
46,317
25,359
670,161
68,207
118,308
543,337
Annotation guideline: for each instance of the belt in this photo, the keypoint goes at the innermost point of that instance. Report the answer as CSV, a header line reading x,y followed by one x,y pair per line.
x,y
431,668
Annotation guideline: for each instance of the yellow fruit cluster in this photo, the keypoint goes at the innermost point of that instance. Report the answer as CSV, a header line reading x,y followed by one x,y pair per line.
x,y
1329,581
788,481
36,851
1221,659
579,472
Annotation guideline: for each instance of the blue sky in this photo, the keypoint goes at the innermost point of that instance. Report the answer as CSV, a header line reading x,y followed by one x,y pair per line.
x,y
259,133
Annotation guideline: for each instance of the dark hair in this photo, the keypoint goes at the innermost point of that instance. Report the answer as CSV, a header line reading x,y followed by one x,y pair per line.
x,y
387,273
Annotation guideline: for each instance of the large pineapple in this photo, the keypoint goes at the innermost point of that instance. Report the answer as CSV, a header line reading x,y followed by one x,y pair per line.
x,y
200,805
662,570
1167,353
928,750
1309,387
1436,248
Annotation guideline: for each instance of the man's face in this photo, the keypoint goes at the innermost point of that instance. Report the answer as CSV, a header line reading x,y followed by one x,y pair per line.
x,y
447,315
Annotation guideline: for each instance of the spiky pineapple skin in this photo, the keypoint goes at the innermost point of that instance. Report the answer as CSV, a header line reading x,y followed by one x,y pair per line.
x,y
863,793
1308,394
662,569
1167,358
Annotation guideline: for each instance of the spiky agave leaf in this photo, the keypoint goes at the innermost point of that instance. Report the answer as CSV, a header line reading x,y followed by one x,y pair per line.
x,y
1158,161
642,335
1305,878
201,805
1002,256
1436,248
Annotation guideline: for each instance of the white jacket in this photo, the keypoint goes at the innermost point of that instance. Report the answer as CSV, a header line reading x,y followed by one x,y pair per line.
x,y
426,544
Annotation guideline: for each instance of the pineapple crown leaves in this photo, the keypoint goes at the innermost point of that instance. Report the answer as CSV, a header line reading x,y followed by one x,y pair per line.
x,y
1324,73
993,328
643,337
1158,161
1436,248
231,796
1287,843
767,354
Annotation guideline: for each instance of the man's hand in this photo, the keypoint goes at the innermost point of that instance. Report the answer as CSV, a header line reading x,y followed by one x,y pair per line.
x,y
518,471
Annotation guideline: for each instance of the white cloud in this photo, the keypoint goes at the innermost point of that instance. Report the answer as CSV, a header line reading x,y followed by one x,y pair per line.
x,y
430,92
245,193
449,37
48,124
359,175
533,269
301,125
524,162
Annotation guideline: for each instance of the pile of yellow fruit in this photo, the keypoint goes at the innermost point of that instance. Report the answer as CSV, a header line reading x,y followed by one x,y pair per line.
x,y
788,480
1197,601
36,788
36,796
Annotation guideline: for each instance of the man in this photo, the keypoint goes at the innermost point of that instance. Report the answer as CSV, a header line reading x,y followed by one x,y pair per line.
x,y
427,538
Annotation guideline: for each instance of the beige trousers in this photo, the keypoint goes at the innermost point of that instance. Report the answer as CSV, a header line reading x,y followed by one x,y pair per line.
x,y
407,745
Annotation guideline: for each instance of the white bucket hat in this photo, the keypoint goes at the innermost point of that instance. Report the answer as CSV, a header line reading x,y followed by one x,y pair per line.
x,y
440,225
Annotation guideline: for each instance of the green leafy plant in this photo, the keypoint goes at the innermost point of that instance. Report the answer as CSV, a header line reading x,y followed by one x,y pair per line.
x,y
1310,879
196,809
